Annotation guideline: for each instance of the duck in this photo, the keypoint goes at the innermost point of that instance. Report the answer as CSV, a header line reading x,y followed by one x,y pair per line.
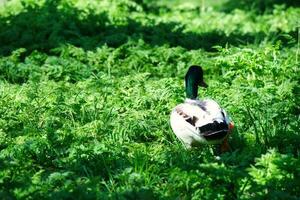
x,y
196,121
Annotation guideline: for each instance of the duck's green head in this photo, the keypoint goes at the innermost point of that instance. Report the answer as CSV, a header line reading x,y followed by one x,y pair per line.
x,y
193,79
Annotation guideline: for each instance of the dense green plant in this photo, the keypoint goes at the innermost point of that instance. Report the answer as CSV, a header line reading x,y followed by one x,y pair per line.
x,y
86,89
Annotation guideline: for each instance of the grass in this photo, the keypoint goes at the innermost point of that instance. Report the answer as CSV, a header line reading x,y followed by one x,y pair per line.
x,y
86,89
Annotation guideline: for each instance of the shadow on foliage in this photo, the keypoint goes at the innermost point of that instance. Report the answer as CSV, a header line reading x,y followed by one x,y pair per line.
x,y
47,27
259,6
151,6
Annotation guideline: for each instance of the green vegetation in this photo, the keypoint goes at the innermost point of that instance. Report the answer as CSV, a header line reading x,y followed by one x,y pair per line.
x,y
86,89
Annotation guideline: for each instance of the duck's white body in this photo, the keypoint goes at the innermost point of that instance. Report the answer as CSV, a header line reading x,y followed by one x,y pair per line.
x,y
188,118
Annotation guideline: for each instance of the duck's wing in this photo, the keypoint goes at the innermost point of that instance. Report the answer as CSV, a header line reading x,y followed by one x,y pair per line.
x,y
194,114
188,118
207,118
218,127
215,111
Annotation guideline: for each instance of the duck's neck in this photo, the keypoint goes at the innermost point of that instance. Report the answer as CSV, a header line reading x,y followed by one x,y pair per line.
x,y
191,88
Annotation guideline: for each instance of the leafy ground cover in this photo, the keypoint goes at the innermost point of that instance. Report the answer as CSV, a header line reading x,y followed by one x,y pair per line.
x,y
86,89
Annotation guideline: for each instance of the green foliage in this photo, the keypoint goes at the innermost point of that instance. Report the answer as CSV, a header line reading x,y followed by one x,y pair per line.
x,y
273,175
86,89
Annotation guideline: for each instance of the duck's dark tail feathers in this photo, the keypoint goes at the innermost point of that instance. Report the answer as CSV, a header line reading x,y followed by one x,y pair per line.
x,y
214,131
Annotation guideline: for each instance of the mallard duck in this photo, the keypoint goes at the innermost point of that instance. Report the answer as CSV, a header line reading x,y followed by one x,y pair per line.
x,y
200,121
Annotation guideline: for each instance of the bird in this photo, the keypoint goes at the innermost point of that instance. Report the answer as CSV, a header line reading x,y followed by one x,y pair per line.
x,y
197,122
